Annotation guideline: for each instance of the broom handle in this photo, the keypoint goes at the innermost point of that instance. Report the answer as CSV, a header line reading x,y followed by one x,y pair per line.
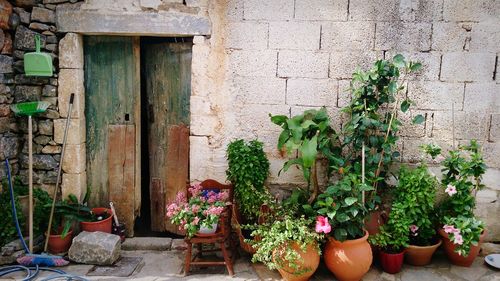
x,y
30,181
59,169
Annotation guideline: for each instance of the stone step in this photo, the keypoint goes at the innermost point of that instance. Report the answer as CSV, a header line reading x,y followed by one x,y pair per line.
x,y
147,244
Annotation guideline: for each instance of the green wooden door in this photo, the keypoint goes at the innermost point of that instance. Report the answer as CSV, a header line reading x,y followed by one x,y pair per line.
x,y
167,78
112,104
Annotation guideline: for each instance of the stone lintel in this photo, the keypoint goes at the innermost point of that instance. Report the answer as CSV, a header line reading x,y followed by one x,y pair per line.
x,y
78,20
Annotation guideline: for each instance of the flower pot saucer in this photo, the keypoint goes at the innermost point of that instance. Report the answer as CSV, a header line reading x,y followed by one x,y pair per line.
x,y
493,260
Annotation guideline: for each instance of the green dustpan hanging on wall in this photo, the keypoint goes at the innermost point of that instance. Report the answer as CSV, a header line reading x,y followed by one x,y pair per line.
x,y
37,63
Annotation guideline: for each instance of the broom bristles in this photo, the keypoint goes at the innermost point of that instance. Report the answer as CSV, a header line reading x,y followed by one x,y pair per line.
x,y
30,108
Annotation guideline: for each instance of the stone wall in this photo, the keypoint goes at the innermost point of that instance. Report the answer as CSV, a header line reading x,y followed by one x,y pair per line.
x,y
285,56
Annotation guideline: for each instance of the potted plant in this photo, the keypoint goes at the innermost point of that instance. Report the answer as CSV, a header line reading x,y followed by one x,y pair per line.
x,y
288,244
248,168
66,213
97,219
462,233
347,253
393,239
199,214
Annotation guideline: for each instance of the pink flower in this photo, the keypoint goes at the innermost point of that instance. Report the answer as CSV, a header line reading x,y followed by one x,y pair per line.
x,y
195,221
413,228
322,225
195,189
195,208
458,239
223,196
456,231
212,210
450,190
449,228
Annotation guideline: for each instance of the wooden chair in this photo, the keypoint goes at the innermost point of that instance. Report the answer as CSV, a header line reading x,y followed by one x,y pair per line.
x,y
220,238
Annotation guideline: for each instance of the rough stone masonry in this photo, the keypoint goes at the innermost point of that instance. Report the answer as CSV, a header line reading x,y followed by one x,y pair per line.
x,y
280,57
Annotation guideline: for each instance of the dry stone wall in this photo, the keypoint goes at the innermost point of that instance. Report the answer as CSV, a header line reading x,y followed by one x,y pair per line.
x,y
286,56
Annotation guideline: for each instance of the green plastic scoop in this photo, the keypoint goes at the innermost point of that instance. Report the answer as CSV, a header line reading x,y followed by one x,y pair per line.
x,y
37,63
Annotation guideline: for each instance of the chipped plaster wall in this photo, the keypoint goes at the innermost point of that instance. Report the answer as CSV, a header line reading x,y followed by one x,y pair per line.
x,y
285,56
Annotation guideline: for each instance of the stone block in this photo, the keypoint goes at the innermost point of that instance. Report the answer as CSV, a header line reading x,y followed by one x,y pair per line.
x,y
304,64
491,151
311,92
200,156
27,93
343,64
253,63
292,176
52,149
485,37
468,125
467,67
436,95
268,10
341,36
74,159
200,84
40,27
259,90
76,131
23,15
404,36
449,36
321,10
24,39
495,128
256,117
395,10
306,35
407,128
482,97
147,244
71,81
74,184
200,105
204,125
431,64
344,94
46,127
40,162
150,4
9,147
470,10
411,152
486,196
71,51
247,35
95,248
484,212
234,9
6,64
49,91
43,15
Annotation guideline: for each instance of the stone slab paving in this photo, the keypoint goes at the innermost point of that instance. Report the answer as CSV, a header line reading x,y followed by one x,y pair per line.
x,y
168,265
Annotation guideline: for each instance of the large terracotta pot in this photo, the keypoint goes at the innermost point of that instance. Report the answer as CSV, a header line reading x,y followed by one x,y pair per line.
x,y
103,225
391,263
308,262
421,255
348,260
373,222
58,245
455,258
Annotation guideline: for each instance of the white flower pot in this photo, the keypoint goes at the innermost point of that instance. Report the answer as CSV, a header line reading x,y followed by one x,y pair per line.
x,y
208,230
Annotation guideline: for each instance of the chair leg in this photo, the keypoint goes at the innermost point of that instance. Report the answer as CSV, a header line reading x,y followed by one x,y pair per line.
x,y
227,259
187,262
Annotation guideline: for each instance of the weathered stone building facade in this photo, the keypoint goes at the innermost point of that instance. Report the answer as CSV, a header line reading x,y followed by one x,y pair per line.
x,y
253,57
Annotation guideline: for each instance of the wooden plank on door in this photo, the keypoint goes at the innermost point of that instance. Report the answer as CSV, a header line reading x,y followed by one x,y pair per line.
x,y
167,77
121,171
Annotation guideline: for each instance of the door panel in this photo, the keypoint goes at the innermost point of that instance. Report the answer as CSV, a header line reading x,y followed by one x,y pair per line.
x,y
167,71
112,89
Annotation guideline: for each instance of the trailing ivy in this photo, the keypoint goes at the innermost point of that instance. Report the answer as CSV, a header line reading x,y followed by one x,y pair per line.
x,y
248,170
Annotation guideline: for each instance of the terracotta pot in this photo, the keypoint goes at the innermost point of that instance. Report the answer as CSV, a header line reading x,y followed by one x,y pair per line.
x,y
349,260
455,258
58,245
308,262
391,263
373,222
103,225
421,255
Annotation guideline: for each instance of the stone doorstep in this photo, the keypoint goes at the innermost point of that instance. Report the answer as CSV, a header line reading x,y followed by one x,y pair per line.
x,y
147,244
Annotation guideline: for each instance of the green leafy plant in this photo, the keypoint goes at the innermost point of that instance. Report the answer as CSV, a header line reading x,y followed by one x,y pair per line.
x,y
309,136
202,208
377,96
248,168
343,204
463,232
275,240
416,190
393,236
67,212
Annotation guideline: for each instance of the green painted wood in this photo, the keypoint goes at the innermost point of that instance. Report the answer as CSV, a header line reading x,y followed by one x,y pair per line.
x,y
167,72
111,93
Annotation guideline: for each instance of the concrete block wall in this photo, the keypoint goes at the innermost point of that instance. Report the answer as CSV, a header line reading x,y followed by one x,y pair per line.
x,y
285,56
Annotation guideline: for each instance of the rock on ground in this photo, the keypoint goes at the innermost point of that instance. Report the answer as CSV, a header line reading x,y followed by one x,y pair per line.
x,y
95,248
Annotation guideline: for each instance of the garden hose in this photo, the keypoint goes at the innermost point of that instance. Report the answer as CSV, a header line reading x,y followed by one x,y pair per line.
x,y
33,271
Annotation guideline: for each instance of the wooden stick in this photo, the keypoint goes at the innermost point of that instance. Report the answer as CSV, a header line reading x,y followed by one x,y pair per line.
x,y
30,181
363,170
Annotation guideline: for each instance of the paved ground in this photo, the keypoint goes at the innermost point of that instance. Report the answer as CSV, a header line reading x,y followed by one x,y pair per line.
x,y
167,265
